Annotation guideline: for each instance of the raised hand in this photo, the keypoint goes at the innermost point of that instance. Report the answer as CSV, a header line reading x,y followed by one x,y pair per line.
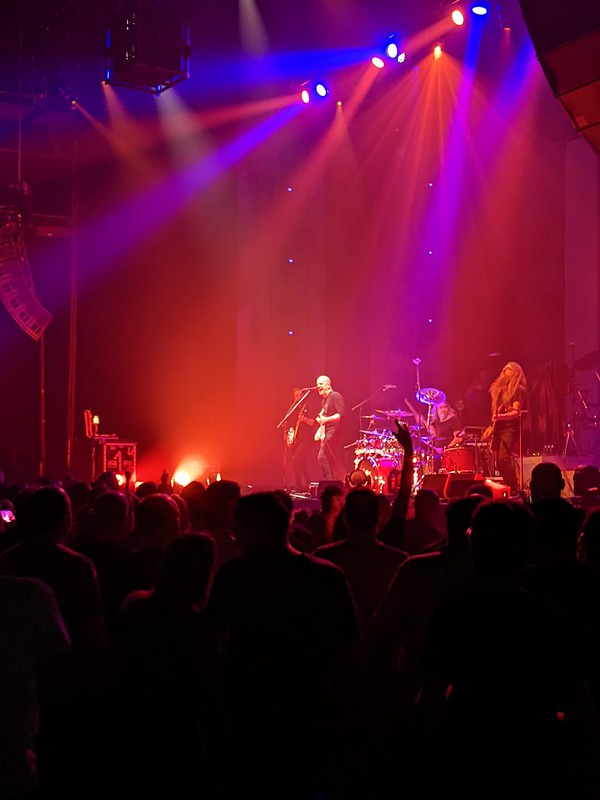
x,y
402,436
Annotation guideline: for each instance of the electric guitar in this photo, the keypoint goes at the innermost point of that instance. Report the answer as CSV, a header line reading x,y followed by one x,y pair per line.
x,y
489,432
320,432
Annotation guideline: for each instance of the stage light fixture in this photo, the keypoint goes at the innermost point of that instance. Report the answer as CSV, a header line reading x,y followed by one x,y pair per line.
x,y
147,46
389,51
458,18
437,52
314,90
391,48
480,9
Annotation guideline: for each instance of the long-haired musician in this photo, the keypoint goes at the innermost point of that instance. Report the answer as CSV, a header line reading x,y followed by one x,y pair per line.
x,y
300,464
509,400
445,425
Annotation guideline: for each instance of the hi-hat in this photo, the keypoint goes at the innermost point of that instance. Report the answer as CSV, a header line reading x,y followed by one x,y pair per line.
x,y
395,412
430,396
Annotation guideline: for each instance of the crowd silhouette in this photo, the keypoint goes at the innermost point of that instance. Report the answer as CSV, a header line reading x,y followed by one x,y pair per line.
x,y
211,644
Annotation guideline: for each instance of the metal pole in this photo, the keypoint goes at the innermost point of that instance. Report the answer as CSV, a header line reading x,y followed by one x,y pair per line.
x,y
73,307
520,451
42,465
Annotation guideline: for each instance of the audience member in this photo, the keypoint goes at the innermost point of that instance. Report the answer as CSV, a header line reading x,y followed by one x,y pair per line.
x,y
156,525
422,584
546,481
68,691
288,619
33,635
589,540
220,501
496,676
566,585
420,530
104,543
166,664
333,528
80,495
368,564
193,494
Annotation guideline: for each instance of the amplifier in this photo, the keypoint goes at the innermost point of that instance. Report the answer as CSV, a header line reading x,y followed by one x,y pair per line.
x,y
567,464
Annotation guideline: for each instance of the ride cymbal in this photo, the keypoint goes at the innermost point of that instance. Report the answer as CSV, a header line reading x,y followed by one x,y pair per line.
x,y
430,396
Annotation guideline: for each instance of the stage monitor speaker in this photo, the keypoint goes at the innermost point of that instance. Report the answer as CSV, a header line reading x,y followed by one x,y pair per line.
x,y
566,39
316,489
449,485
436,483
459,483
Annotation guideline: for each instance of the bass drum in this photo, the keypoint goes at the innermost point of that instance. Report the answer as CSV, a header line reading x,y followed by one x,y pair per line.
x,y
381,475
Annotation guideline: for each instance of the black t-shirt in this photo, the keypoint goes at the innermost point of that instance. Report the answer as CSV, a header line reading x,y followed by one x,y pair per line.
x,y
333,404
445,430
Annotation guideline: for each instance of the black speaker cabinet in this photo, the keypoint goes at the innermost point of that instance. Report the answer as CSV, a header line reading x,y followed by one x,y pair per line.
x,y
566,37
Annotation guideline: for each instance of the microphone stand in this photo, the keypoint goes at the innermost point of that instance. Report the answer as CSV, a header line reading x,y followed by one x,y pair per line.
x,y
360,405
293,408
521,481
417,361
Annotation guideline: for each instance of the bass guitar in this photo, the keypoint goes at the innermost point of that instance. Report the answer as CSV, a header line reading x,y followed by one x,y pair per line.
x,y
292,433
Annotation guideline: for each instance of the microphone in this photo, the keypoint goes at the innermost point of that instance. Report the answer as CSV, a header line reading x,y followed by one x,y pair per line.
x,y
388,386
307,388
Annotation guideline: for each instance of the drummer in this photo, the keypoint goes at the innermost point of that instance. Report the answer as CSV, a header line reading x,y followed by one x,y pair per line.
x,y
444,426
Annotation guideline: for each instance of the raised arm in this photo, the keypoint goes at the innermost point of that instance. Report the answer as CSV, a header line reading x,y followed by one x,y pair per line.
x,y
393,530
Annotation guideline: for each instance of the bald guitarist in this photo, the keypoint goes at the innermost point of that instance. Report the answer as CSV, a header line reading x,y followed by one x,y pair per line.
x,y
328,433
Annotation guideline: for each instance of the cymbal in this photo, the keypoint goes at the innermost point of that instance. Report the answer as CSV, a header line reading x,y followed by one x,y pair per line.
x,y
395,412
430,439
589,361
430,396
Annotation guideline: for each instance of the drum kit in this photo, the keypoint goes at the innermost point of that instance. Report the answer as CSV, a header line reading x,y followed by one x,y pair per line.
x,y
378,457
